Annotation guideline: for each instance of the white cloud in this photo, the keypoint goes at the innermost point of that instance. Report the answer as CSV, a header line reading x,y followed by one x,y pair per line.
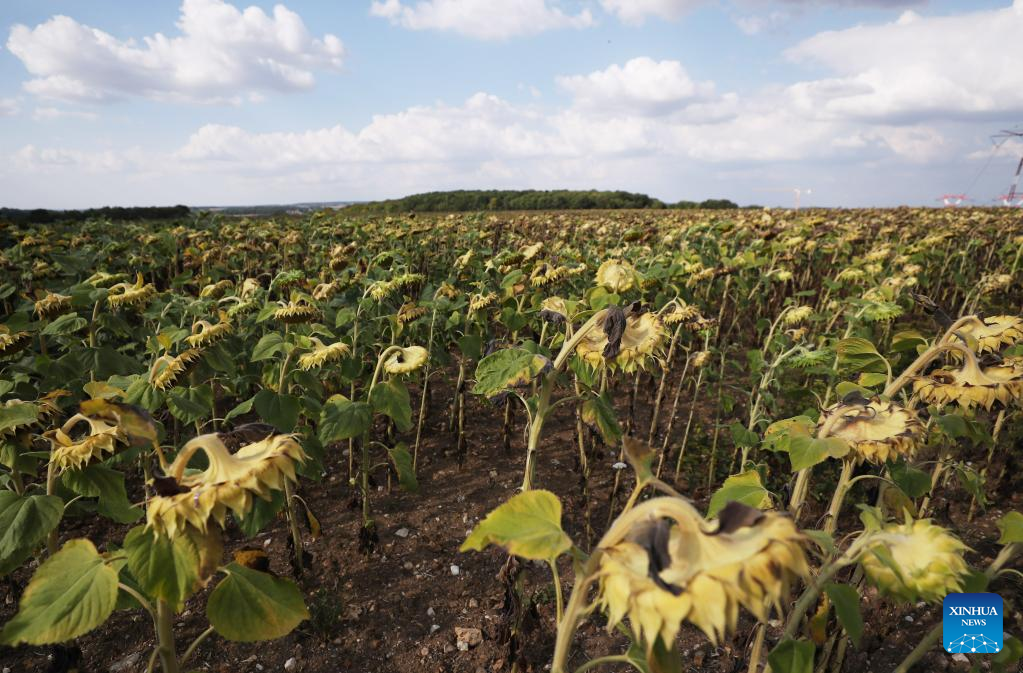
x,y
642,85
9,107
49,113
34,159
917,67
481,19
636,11
222,54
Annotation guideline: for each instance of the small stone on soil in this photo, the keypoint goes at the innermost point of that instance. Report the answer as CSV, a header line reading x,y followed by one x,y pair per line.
x,y
291,665
401,532
455,570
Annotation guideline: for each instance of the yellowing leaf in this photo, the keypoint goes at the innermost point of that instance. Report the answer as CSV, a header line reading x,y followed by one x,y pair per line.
x,y
528,525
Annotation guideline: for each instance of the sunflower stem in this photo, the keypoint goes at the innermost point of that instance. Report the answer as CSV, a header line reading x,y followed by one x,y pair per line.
x,y
165,636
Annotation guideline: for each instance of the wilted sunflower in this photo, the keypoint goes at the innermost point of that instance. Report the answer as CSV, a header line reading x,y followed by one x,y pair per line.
x,y
410,311
382,289
325,291
68,453
446,290
405,360
616,275
618,341
478,302
12,342
251,287
216,290
463,260
971,384
531,251
297,311
167,369
205,333
673,565
322,354
929,561
994,332
554,310
545,274
995,282
137,296
875,429
700,359
229,482
52,305
797,315
678,311
104,279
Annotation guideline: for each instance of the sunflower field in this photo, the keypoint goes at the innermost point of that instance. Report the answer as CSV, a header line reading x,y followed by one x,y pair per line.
x,y
664,440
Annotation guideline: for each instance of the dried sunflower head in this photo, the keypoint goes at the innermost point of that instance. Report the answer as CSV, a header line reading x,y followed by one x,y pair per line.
x,y
617,276
322,354
673,565
405,360
993,333
205,333
52,305
168,369
382,289
446,290
531,251
12,342
929,560
230,481
621,341
971,384
68,453
875,429
297,311
135,296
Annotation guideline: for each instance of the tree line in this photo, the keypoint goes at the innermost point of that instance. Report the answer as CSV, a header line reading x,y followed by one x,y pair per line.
x,y
528,199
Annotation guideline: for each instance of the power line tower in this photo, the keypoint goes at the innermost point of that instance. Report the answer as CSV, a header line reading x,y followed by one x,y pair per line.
x,y
1000,138
952,200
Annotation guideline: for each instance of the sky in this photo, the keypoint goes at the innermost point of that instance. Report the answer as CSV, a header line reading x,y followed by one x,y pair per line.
x,y
230,102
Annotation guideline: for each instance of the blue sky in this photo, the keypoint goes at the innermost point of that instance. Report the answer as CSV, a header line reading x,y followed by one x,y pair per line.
x,y
864,102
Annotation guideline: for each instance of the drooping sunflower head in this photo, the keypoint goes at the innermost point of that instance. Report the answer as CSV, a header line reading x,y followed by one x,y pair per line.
x,y
616,275
250,288
104,279
216,290
12,342
531,251
205,333
554,310
679,311
405,360
325,291
994,332
621,341
137,296
71,450
52,305
478,302
797,315
446,290
972,384
875,429
229,483
916,560
322,354
382,289
168,369
297,311
672,566
409,312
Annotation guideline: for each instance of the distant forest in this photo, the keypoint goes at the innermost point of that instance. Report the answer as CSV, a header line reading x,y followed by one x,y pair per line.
x,y
115,214
530,199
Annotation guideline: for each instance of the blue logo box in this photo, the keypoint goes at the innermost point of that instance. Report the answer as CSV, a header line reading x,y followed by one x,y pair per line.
x,y
972,623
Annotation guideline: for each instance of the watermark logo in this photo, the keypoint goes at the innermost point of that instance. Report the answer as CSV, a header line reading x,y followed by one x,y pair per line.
x,y
972,623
